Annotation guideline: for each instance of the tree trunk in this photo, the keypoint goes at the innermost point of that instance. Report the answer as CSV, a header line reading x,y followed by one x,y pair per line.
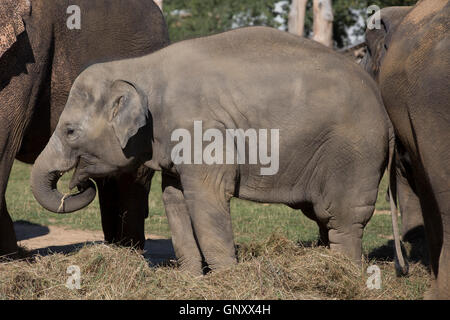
x,y
323,22
296,23
159,3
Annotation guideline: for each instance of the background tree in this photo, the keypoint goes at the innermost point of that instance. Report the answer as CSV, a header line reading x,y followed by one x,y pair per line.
x,y
350,17
296,20
323,22
159,3
194,18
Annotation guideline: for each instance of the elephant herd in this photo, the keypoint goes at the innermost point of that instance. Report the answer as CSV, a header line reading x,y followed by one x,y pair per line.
x,y
116,102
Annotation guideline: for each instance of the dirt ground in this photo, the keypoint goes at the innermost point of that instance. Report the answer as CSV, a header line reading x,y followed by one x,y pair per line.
x,y
46,240
57,239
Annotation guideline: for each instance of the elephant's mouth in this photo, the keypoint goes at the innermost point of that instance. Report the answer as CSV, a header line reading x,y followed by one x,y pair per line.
x,y
79,177
91,167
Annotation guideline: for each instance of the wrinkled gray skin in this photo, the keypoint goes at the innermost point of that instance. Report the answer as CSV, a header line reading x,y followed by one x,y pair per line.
x,y
36,75
334,135
414,83
378,41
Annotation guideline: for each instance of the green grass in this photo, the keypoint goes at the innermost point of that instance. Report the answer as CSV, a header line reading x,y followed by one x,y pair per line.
x,y
251,221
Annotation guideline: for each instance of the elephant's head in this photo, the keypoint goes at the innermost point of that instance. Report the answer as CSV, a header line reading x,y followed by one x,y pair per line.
x,y
98,134
378,39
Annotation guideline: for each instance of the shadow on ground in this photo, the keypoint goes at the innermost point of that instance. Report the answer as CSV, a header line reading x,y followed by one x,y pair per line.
x,y
414,247
26,230
156,251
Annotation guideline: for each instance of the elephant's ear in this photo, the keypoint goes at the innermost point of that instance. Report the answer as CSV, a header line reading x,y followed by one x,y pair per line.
x,y
12,13
378,39
128,111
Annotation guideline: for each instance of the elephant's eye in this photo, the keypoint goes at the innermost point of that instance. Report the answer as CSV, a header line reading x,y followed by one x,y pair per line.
x,y
71,134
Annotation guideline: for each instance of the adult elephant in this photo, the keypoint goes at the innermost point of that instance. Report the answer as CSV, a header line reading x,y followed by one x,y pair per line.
x,y
40,57
411,212
411,62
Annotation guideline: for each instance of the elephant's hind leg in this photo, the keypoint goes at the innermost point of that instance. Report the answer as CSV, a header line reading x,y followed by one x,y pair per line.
x,y
346,211
347,240
345,230
437,226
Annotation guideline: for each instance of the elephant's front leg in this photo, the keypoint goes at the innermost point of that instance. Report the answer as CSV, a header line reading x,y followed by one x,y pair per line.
x,y
124,207
183,238
207,191
8,243
9,143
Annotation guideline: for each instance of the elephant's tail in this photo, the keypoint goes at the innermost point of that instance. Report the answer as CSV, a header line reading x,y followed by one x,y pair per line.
x,y
401,264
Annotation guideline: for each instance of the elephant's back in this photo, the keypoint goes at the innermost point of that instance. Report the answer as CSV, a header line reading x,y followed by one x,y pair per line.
x,y
274,78
422,35
417,63
250,45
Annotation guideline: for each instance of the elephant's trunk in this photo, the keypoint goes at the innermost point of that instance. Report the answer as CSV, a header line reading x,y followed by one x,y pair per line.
x,y
47,170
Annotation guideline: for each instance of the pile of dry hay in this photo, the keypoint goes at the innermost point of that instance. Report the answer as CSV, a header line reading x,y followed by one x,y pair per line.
x,y
274,269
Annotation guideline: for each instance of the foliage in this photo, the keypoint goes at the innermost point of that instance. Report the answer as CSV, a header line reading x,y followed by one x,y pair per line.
x,y
194,18
390,3
347,14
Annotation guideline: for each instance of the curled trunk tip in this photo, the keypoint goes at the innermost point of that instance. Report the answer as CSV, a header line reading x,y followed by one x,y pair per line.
x,y
44,187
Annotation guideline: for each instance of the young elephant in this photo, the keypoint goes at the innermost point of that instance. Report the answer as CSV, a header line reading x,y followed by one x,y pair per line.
x,y
332,141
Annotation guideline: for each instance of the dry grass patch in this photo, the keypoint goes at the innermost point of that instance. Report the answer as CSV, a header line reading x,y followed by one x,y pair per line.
x,y
276,268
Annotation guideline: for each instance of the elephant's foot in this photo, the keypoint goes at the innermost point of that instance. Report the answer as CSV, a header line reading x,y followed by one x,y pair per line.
x,y
119,232
136,242
217,262
9,251
347,242
197,267
193,267
440,287
8,243
18,254
8,246
435,292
